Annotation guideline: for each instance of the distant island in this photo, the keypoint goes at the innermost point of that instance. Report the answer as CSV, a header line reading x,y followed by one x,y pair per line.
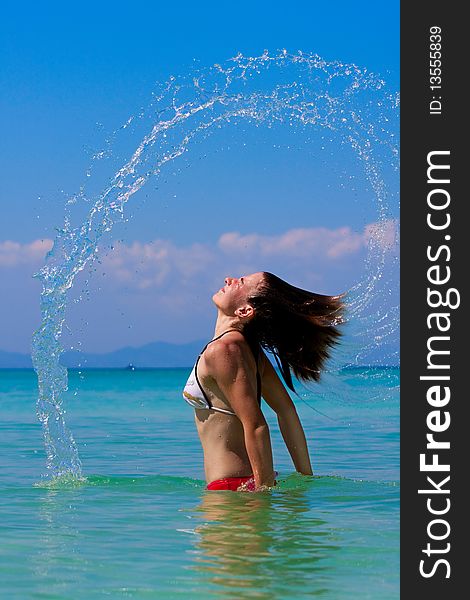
x,y
150,356
153,355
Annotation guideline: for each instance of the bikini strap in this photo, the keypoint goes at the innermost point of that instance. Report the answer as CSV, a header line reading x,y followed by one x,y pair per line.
x,y
209,403
216,338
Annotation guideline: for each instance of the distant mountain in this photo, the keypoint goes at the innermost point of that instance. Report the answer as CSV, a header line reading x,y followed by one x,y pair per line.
x,y
156,354
15,360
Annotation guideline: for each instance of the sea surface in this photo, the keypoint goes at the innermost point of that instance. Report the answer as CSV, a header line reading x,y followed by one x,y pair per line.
x,y
142,525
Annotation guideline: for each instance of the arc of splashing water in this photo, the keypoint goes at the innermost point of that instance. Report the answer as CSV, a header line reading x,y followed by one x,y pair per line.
x,y
74,248
61,450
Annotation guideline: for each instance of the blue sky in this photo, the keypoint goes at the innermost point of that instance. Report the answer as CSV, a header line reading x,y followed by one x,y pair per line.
x,y
71,74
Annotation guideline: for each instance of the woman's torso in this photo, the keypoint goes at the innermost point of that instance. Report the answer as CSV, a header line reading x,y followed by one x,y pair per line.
x,y
221,434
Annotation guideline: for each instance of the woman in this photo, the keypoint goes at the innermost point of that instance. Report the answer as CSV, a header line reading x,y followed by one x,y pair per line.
x,y
232,372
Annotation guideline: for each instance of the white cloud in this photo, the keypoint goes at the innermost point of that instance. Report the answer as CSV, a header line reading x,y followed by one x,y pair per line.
x,y
383,235
13,254
157,262
161,286
317,251
310,242
312,255
295,243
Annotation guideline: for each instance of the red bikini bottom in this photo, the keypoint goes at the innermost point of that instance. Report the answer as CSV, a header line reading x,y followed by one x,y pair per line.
x,y
233,483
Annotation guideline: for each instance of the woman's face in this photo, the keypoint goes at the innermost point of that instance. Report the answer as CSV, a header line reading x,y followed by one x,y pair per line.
x,y
236,291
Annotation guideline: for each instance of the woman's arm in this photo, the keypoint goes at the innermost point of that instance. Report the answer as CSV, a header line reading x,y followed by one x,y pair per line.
x,y
294,437
291,428
232,366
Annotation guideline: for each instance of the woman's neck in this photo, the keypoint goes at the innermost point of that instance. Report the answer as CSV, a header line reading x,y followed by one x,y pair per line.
x,y
225,322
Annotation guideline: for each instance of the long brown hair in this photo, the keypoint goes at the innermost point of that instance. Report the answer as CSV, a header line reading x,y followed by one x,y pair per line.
x,y
297,326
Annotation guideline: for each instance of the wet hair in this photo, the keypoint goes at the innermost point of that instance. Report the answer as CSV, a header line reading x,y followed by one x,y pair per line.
x,y
297,326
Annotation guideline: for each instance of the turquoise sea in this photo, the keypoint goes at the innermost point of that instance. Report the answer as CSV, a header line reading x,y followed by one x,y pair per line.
x,y
142,525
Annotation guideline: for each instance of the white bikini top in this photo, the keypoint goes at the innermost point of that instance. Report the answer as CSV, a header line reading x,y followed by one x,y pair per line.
x,y
194,393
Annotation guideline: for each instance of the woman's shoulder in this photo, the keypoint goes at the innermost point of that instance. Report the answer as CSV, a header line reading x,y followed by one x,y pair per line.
x,y
232,346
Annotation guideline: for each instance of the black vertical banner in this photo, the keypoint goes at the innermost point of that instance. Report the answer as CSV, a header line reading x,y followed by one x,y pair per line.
x,y
434,272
